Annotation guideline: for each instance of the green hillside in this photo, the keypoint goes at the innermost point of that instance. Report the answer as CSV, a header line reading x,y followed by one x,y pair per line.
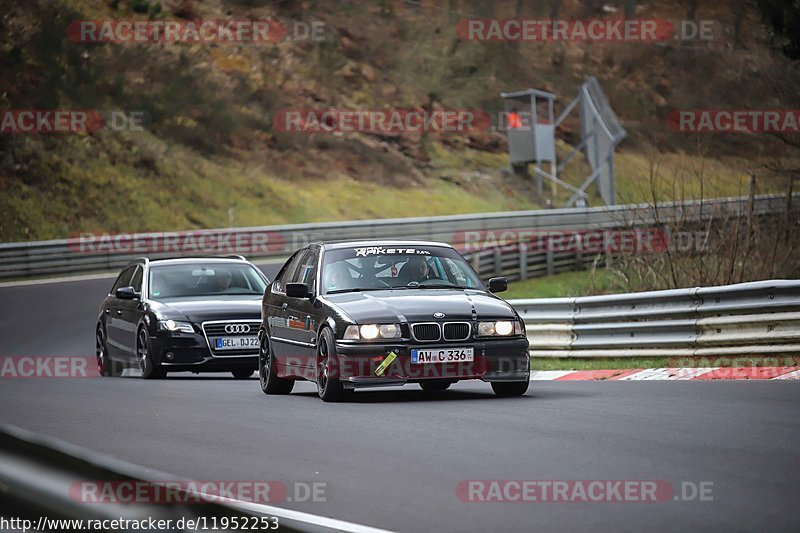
x,y
209,147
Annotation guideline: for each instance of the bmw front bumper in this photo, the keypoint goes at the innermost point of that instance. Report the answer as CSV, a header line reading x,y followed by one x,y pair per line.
x,y
494,360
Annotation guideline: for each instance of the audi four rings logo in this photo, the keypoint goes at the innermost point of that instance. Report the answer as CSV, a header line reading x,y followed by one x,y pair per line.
x,y
237,328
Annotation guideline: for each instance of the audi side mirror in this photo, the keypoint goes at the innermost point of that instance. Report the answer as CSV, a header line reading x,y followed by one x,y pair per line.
x,y
498,285
127,293
297,290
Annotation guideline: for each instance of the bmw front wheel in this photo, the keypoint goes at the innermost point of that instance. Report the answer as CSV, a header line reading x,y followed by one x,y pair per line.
x,y
270,382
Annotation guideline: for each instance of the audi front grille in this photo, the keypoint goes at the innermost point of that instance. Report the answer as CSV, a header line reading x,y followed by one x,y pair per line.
x,y
217,329
230,328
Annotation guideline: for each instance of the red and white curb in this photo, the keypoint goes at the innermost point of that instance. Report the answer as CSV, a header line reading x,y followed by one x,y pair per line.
x,y
670,374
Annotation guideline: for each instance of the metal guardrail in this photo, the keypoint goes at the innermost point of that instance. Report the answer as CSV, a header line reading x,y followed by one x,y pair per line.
x,y
39,475
110,252
755,318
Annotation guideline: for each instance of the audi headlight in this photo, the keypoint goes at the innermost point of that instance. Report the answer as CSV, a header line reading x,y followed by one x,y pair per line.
x,y
370,332
500,328
173,325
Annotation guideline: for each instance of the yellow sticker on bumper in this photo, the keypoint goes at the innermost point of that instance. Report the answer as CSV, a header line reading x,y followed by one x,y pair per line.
x,y
385,364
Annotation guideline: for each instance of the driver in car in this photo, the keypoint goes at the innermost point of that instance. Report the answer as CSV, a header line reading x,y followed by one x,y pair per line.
x,y
222,281
415,269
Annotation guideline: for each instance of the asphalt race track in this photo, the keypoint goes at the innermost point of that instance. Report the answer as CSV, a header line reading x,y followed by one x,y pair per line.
x,y
392,458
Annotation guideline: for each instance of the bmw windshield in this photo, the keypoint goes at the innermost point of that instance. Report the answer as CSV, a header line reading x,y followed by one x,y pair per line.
x,y
378,267
204,280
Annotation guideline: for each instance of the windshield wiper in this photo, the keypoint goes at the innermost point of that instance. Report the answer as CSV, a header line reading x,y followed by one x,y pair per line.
x,y
396,287
358,289
415,285
444,286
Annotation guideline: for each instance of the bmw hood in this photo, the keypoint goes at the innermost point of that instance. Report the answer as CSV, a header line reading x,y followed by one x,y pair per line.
x,y
410,305
204,310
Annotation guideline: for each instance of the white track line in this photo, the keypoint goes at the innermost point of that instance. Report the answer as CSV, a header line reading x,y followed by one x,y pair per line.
x,y
548,375
307,518
63,279
670,374
791,375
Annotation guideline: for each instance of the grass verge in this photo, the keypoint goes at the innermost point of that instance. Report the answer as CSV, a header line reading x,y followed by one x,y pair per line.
x,y
548,363
567,284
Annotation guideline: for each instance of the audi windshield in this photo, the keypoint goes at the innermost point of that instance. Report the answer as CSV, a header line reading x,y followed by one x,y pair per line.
x,y
204,280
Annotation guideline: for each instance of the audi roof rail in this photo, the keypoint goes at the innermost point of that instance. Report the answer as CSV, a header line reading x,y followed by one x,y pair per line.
x,y
236,257
137,260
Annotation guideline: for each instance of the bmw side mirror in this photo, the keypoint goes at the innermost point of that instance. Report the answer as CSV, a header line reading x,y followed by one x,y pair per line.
x,y
297,290
498,285
127,293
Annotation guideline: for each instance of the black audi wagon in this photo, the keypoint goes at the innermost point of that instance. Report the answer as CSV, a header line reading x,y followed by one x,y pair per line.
x,y
188,314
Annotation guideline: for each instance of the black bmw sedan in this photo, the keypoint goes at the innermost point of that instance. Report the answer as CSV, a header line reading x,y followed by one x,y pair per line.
x,y
367,314
172,315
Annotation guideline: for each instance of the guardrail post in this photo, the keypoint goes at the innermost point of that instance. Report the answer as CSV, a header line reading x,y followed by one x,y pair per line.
x,y
550,258
498,262
523,261
28,262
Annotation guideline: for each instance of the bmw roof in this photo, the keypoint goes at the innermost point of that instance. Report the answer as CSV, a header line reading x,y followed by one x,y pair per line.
x,y
350,244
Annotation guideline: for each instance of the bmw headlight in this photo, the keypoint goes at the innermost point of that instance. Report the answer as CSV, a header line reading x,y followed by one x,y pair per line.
x,y
500,328
175,326
370,332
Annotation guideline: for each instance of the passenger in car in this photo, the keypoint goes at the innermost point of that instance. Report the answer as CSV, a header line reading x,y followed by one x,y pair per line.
x,y
338,277
158,286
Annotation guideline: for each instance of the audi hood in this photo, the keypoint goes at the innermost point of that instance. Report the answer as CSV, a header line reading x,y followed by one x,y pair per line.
x,y
197,311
